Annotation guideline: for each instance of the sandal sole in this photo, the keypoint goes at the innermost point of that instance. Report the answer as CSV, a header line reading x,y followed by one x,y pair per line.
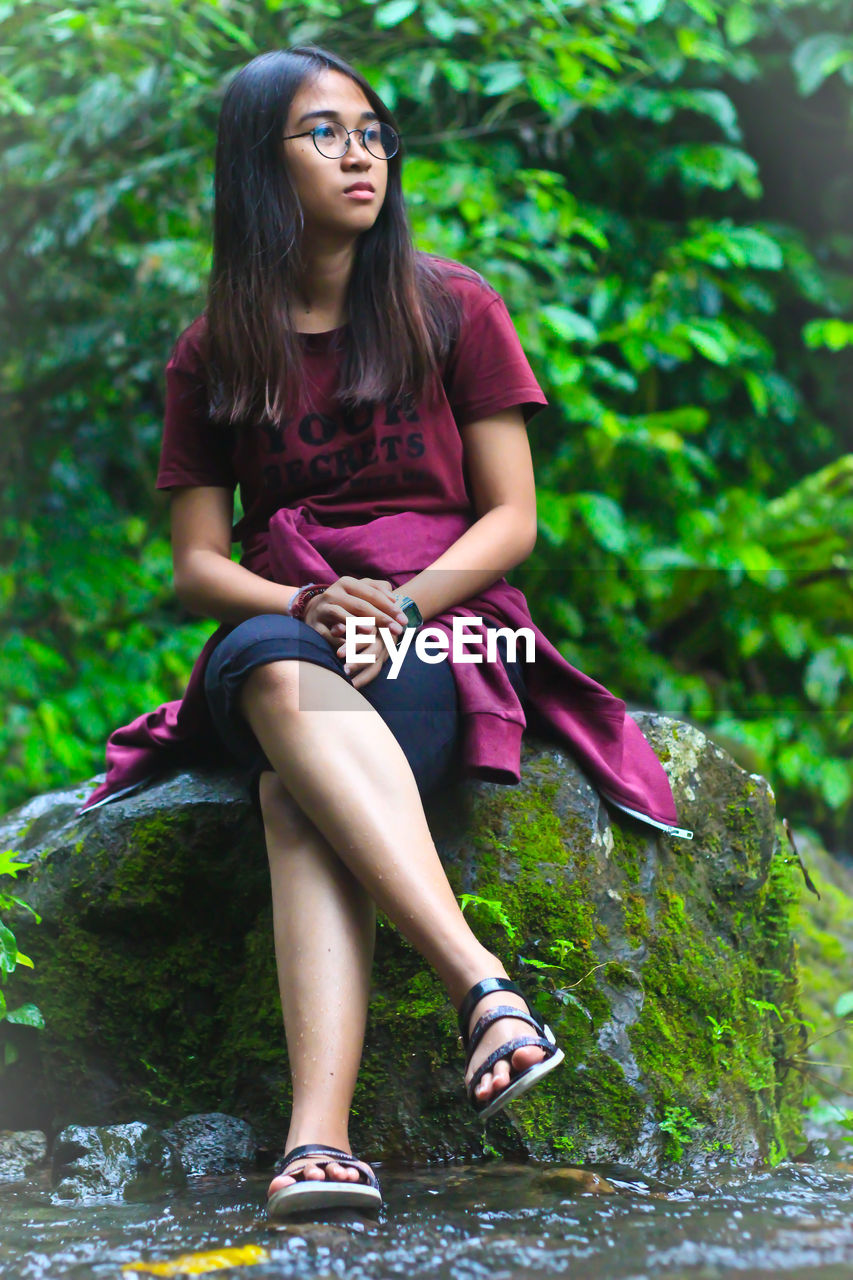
x,y
531,1077
302,1197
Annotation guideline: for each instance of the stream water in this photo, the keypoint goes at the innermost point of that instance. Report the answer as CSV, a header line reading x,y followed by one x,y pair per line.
x,y
489,1221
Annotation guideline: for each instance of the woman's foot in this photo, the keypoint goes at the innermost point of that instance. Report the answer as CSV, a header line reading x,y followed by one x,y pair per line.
x,y
297,1188
313,1173
500,1032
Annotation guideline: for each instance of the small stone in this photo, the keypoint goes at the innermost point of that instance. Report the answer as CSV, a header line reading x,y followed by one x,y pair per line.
x,y
583,1180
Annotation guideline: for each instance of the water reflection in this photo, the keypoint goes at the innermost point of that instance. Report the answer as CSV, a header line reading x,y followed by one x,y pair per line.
x,y
474,1222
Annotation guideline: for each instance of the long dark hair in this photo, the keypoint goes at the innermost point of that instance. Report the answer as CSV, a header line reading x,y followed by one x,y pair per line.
x,y
403,318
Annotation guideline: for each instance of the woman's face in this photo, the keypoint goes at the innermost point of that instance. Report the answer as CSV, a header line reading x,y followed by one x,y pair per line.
x,y
322,183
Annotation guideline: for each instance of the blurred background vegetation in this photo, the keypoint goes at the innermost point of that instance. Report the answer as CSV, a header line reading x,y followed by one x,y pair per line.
x,y
661,189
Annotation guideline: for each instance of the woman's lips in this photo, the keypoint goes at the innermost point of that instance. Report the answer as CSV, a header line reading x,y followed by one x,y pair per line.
x,y
360,193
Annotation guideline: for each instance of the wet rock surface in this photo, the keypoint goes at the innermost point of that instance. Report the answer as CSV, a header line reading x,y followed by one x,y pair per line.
x,y
21,1154
666,968
111,1162
213,1143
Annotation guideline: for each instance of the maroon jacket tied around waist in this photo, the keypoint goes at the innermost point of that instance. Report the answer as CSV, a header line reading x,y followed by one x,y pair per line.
x,y
603,738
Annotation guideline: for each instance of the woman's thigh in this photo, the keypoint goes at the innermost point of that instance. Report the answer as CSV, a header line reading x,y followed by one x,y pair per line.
x,y
421,709
419,706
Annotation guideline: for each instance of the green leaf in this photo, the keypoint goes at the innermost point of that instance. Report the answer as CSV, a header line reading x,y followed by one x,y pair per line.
x,y
705,9
553,514
491,908
831,333
706,165
8,950
569,324
440,23
457,74
395,12
648,10
229,28
11,101
819,57
758,392
766,1006
604,519
26,1015
836,783
8,865
501,77
844,1005
711,338
823,677
741,23
789,632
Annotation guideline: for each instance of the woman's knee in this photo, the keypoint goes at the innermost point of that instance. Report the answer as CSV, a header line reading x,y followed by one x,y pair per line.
x,y
278,680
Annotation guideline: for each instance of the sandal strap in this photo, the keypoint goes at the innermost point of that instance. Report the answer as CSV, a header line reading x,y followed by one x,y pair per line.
x,y
335,1157
503,1011
475,995
506,1051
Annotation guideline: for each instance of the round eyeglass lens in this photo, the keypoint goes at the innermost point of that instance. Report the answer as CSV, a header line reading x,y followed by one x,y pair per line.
x,y
332,139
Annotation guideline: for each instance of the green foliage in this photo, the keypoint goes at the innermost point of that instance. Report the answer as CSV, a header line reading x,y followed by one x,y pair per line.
x,y
24,1015
687,307
679,1126
489,910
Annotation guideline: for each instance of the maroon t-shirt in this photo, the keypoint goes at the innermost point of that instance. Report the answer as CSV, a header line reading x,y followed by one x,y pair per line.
x,y
349,467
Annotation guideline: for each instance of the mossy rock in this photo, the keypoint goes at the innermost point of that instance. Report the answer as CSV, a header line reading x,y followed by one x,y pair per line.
x,y
666,968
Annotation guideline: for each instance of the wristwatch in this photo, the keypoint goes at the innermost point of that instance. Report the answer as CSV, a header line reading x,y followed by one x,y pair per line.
x,y
411,610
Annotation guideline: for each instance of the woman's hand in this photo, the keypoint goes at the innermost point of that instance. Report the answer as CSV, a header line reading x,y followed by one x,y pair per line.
x,y
368,644
357,598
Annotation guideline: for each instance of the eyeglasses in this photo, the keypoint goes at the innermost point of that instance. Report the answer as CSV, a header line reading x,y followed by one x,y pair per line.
x,y
332,139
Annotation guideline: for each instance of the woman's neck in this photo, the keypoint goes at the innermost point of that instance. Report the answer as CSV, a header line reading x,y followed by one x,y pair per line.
x,y
320,301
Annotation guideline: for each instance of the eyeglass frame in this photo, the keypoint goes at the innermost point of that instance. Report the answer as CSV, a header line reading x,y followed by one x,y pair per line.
x,y
310,133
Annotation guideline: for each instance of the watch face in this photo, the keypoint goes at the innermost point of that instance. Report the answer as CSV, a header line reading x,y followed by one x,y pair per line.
x,y
413,613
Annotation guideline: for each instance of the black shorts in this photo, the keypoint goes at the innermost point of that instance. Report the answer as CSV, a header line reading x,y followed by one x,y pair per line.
x,y
420,706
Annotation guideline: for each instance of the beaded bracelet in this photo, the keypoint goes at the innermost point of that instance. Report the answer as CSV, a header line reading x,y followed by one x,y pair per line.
x,y
303,595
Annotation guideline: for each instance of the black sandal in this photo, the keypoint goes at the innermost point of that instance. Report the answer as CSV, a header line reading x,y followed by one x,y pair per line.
x,y
544,1040
303,1196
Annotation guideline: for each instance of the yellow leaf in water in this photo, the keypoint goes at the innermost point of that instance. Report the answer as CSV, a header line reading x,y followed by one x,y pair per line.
x,y
199,1264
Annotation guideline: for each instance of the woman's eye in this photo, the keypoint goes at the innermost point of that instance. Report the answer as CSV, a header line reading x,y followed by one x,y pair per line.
x,y
325,131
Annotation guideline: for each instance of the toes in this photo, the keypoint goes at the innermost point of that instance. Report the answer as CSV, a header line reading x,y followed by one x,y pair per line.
x,y
527,1057
501,1074
314,1173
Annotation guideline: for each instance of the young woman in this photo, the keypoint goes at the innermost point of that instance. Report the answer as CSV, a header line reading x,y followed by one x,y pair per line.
x,y
371,403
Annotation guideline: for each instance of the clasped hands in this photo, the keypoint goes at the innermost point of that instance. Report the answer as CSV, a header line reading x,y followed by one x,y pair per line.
x,y
358,598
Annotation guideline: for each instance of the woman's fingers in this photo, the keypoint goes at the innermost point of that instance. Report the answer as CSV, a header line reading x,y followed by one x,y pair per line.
x,y
371,646
369,597
356,598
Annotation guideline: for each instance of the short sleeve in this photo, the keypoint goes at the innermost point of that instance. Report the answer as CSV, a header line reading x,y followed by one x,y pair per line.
x,y
194,450
488,370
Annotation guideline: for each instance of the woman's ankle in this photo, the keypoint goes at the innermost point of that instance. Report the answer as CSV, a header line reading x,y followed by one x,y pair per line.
x,y
308,1132
460,982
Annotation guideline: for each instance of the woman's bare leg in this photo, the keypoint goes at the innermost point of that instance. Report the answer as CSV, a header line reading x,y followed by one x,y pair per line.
x,y
350,776
324,924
